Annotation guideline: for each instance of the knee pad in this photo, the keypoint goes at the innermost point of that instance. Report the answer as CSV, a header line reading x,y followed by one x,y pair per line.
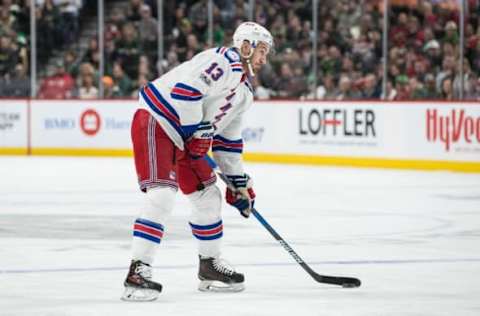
x,y
159,204
207,205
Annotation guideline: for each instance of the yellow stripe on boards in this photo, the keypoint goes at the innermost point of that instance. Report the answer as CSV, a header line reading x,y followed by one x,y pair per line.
x,y
13,151
365,162
82,152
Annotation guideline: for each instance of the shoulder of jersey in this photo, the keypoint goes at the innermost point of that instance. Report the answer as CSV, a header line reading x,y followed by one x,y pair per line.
x,y
232,56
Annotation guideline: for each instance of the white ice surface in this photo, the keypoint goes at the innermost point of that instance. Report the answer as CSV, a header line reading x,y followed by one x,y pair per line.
x,y
413,238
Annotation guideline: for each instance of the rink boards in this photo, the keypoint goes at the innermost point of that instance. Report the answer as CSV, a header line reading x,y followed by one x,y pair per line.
x,y
411,135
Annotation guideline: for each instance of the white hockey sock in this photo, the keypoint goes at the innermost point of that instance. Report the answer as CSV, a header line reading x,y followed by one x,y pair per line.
x,y
206,220
148,228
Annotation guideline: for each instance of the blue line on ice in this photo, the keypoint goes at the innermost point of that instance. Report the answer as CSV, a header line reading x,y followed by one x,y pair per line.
x,y
271,264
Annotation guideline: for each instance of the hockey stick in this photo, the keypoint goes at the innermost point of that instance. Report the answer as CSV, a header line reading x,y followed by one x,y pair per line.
x,y
346,282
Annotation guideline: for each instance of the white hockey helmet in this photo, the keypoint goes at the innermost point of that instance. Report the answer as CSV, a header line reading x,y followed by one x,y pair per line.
x,y
253,33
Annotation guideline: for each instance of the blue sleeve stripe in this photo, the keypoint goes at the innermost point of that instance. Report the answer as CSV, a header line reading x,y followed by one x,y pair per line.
x,y
227,149
184,98
226,140
188,88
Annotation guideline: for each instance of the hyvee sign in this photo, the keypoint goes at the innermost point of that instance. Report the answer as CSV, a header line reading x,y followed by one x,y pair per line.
x,y
455,127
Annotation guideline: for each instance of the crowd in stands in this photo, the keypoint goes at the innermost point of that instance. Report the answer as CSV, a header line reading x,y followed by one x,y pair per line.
x,y
14,52
423,48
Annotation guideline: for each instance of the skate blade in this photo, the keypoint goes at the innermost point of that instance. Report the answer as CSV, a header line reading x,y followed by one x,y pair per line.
x,y
217,286
132,294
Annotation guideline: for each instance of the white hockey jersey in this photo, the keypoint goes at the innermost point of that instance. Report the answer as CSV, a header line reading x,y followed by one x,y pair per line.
x,y
211,87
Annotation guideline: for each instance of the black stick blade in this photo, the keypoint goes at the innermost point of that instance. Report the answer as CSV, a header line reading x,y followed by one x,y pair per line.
x,y
345,282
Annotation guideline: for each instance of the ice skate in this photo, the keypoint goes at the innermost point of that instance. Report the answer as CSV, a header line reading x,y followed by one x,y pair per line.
x,y
138,284
216,276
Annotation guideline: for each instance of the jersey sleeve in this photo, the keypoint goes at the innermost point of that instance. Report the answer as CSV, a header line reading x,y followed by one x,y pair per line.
x,y
207,74
227,149
227,145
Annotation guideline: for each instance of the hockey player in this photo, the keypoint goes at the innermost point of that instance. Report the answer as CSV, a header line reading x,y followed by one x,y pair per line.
x,y
194,107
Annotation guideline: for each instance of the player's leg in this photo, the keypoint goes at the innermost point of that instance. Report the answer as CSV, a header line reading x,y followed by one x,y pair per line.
x,y
197,181
154,161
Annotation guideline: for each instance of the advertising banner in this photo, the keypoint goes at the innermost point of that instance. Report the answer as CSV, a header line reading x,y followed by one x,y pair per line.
x,y
88,125
422,135
13,126
445,131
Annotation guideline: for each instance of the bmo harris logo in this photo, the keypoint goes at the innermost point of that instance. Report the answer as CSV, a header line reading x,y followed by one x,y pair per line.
x,y
89,123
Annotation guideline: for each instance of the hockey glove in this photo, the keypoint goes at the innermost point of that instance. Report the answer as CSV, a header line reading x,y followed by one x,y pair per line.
x,y
199,143
240,194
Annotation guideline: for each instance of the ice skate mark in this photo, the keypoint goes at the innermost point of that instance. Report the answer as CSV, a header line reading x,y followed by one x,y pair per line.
x,y
266,264
458,197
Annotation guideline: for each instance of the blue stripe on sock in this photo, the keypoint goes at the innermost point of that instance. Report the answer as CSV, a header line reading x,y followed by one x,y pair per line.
x,y
146,236
216,236
205,227
149,223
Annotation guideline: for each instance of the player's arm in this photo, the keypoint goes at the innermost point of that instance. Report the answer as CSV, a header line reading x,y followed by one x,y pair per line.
x,y
227,150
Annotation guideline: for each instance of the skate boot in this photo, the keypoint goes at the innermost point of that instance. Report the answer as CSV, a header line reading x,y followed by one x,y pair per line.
x,y
139,285
217,276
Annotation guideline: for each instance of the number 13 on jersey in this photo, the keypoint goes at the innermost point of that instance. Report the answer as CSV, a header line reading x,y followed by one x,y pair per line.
x,y
214,71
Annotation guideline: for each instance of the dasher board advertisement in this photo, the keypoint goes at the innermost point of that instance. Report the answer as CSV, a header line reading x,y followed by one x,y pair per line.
x,y
365,129
13,126
80,124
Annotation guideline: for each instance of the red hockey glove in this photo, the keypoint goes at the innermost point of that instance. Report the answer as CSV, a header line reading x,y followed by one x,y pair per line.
x,y
199,144
240,194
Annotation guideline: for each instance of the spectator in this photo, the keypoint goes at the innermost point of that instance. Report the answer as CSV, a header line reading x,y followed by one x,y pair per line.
x,y
402,88
148,29
144,68
328,90
92,55
346,90
107,87
128,49
122,84
133,10
69,12
57,86
198,16
451,34
87,90
48,31
447,88
70,61
475,92
370,89
8,55
448,69
18,85
192,46
433,54
429,90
